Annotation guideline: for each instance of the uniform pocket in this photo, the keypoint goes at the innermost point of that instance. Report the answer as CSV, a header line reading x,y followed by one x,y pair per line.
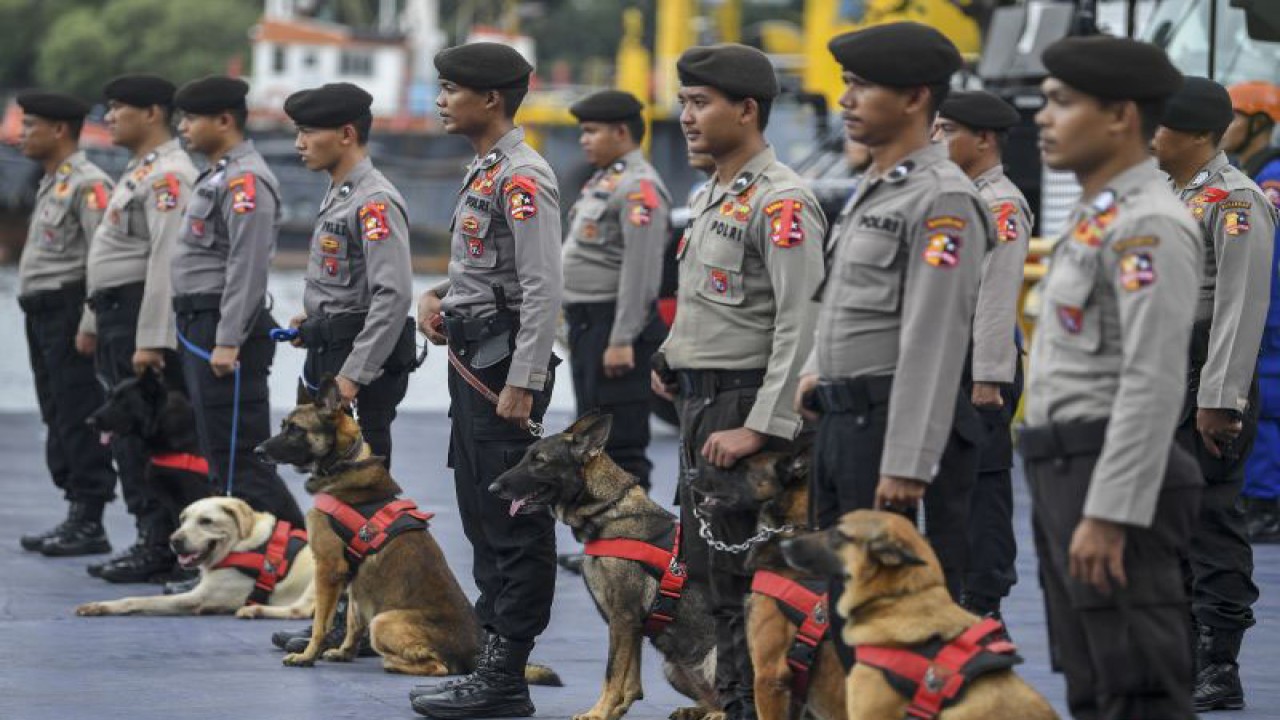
x,y
330,262
200,220
721,262
478,248
586,227
57,228
869,272
1067,292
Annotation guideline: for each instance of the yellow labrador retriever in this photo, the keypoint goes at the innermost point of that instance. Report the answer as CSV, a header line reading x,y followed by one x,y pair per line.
x,y
242,556
896,606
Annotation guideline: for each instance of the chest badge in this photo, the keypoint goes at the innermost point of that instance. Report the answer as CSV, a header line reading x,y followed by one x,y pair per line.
x,y
486,180
330,266
738,206
719,281
329,245
1071,318
1090,230
197,227
475,247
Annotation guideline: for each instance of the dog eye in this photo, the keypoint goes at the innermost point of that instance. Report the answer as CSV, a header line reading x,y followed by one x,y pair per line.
x,y
206,521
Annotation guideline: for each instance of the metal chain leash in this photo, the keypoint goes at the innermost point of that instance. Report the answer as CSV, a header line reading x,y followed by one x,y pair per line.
x,y
704,531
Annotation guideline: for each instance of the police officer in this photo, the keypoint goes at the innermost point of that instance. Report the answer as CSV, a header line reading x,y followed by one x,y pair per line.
x,y
51,290
497,313
612,271
1220,417
1114,498
974,125
355,323
748,265
220,268
906,258
130,299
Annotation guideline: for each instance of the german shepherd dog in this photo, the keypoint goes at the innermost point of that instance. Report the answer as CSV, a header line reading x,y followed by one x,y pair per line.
x,y
895,596
143,407
405,595
776,485
570,474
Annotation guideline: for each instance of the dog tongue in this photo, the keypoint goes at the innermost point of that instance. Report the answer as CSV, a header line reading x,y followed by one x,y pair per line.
x,y
186,559
104,438
515,506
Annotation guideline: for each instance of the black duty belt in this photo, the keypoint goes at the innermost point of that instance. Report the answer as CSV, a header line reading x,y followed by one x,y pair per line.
x,y
1062,440
332,330
856,395
42,301
113,297
202,302
710,383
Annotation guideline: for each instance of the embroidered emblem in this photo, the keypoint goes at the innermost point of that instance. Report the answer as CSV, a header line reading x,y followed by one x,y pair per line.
x,y
1136,271
521,193
373,221
1071,318
475,246
96,198
638,215
785,228
943,250
1006,222
197,227
945,221
1090,230
485,181
166,191
1208,196
1236,222
329,245
244,193
719,281
470,225
330,265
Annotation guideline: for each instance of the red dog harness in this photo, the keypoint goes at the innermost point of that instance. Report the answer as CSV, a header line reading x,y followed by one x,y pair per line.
x,y
270,562
664,565
936,674
805,605
182,461
367,527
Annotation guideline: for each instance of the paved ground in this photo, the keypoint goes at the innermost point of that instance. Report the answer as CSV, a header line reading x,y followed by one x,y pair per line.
x,y
54,666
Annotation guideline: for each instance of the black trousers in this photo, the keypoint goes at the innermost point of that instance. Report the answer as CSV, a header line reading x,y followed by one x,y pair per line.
x,y
513,558
993,548
116,310
626,398
213,400
376,402
1218,566
68,393
846,471
726,575
1125,655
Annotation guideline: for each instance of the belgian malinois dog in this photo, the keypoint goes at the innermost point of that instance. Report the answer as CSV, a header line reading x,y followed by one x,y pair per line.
x,y
405,595
895,596
570,474
776,486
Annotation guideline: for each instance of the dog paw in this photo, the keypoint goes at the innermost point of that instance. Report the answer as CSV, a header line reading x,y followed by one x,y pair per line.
x,y
93,609
589,716
249,612
696,713
299,660
337,655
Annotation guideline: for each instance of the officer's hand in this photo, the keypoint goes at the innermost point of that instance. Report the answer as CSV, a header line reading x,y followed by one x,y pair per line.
x,y
1218,428
619,360
144,358
515,405
295,322
1097,554
86,344
223,360
660,388
804,390
898,494
347,388
429,320
726,447
986,396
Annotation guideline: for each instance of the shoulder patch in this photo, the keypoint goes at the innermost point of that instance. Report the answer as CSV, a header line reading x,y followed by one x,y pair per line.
x,y
1209,196
1006,214
942,250
373,221
166,191
96,196
244,193
785,228
522,193
1127,244
945,221
1137,270
1235,222
642,204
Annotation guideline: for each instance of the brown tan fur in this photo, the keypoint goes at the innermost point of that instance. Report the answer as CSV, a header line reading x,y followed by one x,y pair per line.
x,y
895,595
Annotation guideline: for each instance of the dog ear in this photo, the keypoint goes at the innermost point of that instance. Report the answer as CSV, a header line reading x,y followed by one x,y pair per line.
x,y
328,397
240,511
890,551
304,395
590,433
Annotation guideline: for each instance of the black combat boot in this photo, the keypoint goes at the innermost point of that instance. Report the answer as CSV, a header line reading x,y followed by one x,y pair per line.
x,y
497,689
1217,685
149,559
437,688
183,581
34,541
1262,519
81,534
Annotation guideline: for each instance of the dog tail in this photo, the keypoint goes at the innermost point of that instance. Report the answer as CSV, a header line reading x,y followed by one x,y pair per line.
x,y
542,675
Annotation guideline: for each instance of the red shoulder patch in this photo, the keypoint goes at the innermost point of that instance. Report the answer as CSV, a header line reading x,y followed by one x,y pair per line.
x,y
97,197
522,193
166,191
1006,221
373,221
244,193
785,228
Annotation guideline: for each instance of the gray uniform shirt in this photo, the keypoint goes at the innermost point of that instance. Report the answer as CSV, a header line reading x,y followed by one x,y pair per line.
x,y
135,241
360,263
995,357
69,205
1237,225
749,263
1112,339
908,251
506,231
228,238
617,234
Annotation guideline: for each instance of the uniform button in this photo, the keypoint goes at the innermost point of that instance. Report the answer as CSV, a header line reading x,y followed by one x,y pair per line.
x,y
860,421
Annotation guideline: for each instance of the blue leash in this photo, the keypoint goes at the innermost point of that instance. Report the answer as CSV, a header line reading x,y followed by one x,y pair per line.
x,y
235,407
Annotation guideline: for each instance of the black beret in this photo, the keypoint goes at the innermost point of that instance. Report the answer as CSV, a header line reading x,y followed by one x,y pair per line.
x,y
1199,105
607,106
1112,68
979,110
901,54
484,66
53,106
211,95
140,90
328,106
736,70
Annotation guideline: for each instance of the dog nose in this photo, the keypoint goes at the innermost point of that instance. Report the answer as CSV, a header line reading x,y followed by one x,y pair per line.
x,y
260,453
495,487
92,422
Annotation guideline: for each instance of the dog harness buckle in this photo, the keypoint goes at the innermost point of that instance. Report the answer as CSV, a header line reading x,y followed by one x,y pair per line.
x,y
270,562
